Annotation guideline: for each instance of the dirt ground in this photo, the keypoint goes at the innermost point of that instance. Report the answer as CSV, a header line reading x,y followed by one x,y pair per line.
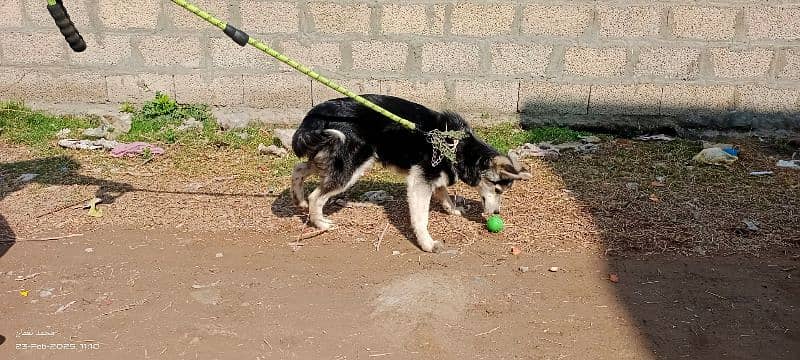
x,y
200,264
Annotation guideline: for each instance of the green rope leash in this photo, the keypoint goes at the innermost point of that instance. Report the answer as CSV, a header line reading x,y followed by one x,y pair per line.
x,y
437,138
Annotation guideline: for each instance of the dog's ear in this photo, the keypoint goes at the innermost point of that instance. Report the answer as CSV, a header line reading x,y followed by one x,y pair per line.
x,y
509,167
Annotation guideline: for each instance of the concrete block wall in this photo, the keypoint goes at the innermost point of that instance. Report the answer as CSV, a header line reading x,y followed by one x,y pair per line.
x,y
547,60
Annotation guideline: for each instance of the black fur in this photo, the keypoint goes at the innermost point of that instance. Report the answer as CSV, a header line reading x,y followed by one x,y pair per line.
x,y
368,133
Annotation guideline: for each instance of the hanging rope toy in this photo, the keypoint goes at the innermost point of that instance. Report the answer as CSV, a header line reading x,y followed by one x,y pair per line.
x,y
443,142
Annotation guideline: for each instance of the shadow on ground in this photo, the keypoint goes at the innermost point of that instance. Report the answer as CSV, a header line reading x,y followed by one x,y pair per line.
x,y
55,170
696,282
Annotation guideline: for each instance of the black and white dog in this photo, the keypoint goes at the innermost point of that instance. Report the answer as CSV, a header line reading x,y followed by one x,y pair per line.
x,y
342,139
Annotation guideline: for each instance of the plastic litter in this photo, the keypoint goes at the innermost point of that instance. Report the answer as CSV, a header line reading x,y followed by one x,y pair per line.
x,y
789,164
657,137
87,144
715,156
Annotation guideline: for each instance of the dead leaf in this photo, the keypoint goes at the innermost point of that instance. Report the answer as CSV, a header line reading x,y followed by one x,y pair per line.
x,y
515,250
614,278
657,184
654,198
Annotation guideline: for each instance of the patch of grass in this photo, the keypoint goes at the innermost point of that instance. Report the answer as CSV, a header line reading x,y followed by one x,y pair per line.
x,y
21,125
508,136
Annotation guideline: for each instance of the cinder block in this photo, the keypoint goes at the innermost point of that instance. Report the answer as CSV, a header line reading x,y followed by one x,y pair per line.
x,y
481,19
670,63
639,99
768,100
11,13
779,23
42,48
170,51
437,19
333,18
321,93
103,50
226,54
37,11
432,94
385,56
680,99
791,69
30,84
225,90
183,19
559,20
510,58
404,19
545,97
138,88
318,56
132,14
486,96
704,23
286,90
750,63
629,21
451,57
269,17
595,62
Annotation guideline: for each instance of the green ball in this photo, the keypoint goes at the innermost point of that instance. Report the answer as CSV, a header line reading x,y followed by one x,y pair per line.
x,y
495,224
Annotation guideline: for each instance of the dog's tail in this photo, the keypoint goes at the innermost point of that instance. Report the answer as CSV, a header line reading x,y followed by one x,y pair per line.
x,y
308,142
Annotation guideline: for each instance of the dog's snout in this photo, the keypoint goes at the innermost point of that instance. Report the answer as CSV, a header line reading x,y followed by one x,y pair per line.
x,y
497,212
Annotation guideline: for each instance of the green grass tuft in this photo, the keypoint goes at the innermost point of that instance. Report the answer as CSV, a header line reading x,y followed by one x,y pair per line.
x,y
508,136
22,125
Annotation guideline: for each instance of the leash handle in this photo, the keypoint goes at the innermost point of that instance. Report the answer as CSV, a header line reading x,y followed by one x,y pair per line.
x,y
242,39
61,17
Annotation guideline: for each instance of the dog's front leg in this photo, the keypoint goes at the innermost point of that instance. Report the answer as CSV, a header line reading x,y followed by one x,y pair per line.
x,y
447,202
419,201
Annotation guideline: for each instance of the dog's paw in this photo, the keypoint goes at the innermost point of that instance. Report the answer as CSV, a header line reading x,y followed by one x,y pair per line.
x,y
458,211
431,246
323,224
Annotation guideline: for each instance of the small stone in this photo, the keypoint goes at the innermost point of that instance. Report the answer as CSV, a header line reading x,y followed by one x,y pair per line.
x,y
524,269
272,150
553,269
219,255
632,186
232,120
395,252
751,225
98,132
450,252
244,304
194,340
285,137
88,250
190,124
243,135
45,293
591,139
376,197
63,133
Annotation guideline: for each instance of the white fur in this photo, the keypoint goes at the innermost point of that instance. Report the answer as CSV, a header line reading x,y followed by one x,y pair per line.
x,y
419,200
337,133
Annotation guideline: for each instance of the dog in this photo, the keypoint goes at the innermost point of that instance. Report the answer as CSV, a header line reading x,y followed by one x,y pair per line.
x,y
342,139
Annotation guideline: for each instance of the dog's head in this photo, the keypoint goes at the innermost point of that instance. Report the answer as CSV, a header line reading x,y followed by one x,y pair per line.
x,y
497,178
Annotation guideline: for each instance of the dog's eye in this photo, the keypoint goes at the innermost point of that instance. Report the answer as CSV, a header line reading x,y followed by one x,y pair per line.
x,y
498,190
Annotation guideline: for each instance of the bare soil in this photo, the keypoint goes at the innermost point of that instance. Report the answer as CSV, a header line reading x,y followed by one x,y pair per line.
x,y
196,263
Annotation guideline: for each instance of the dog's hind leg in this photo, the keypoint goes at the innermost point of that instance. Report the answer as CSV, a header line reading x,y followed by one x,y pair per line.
x,y
301,171
447,202
419,201
332,184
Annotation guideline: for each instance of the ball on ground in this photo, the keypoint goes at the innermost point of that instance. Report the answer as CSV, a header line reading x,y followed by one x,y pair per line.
x,y
495,224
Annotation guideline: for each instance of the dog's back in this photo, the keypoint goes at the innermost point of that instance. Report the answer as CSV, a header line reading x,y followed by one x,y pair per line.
x,y
344,118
